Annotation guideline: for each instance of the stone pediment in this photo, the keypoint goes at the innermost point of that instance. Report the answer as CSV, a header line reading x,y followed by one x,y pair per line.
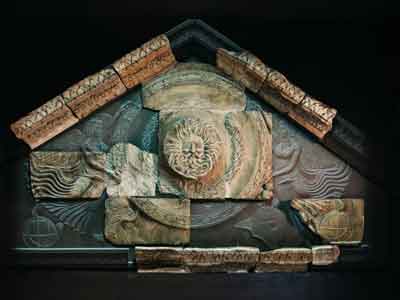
x,y
191,140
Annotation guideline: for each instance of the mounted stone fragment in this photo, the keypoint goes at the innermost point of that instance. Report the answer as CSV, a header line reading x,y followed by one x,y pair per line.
x,y
338,221
276,90
144,221
216,155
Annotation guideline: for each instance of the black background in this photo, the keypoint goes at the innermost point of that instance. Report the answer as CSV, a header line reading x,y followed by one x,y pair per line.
x,y
337,51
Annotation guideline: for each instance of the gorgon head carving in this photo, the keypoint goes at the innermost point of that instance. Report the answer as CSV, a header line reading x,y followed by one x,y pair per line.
x,y
192,147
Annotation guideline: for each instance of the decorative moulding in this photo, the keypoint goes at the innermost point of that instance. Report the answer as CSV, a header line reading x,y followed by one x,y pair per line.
x,y
250,71
232,259
44,123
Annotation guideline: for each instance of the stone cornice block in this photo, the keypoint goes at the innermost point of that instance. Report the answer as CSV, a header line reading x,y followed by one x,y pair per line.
x,y
44,123
244,67
146,62
93,92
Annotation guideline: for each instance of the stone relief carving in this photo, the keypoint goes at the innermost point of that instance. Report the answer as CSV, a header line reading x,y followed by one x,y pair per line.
x,y
205,154
284,260
132,172
193,86
152,58
276,89
136,221
44,123
93,92
67,174
338,221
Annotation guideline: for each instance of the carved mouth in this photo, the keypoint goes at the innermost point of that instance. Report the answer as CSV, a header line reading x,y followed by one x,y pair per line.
x,y
192,148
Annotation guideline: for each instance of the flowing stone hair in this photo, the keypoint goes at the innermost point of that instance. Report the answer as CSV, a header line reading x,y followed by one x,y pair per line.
x,y
186,163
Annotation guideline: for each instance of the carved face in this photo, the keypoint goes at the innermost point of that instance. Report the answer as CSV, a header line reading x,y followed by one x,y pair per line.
x,y
192,148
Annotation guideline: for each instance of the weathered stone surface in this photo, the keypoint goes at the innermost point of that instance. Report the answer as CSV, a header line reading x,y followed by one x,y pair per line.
x,y
160,260
144,221
192,154
284,260
235,259
314,115
67,174
338,221
93,92
146,62
213,155
325,255
244,67
277,90
193,86
131,171
287,89
44,123
248,174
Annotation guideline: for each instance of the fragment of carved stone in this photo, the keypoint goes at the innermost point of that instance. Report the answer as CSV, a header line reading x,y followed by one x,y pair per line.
x,y
146,221
284,260
244,67
44,123
152,58
314,115
248,173
160,260
193,87
325,255
93,92
192,157
232,259
215,155
67,174
338,221
130,171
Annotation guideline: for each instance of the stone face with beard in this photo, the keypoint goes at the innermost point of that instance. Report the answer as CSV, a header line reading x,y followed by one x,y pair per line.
x,y
215,155
192,157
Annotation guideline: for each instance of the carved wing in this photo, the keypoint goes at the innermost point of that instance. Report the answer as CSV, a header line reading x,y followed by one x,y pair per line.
x,y
77,215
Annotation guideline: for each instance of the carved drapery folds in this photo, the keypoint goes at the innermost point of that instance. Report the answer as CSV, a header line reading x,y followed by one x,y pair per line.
x,y
279,92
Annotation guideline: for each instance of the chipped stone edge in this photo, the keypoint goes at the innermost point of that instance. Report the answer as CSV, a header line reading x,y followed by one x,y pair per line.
x,y
309,112
19,129
179,260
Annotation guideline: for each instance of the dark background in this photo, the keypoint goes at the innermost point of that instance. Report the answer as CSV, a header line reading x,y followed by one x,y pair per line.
x,y
342,52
